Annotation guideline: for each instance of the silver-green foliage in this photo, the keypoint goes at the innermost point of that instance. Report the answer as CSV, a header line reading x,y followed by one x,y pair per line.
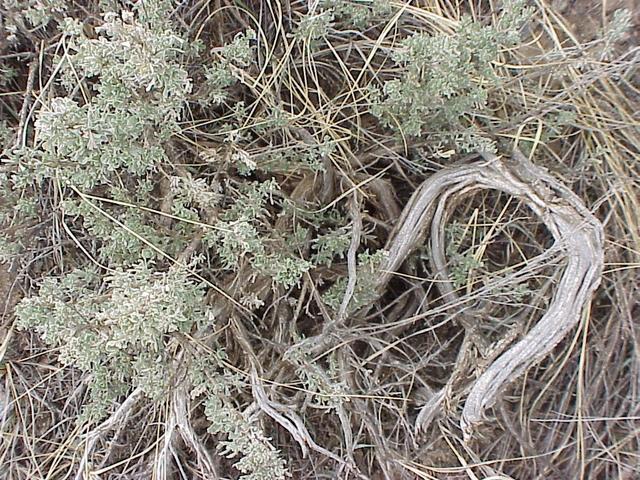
x,y
132,88
295,158
19,16
238,236
330,245
364,293
462,261
122,330
360,14
314,26
620,24
242,438
119,329
115,103
445,77
223,73
259,460
323,384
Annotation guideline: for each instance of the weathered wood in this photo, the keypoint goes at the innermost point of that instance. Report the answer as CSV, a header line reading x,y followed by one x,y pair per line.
x,y
577,233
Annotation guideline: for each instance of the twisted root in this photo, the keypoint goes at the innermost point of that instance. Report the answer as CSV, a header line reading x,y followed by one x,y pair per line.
x,y
577,233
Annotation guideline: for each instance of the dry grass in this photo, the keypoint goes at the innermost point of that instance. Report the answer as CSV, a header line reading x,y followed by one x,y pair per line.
x,y
574,414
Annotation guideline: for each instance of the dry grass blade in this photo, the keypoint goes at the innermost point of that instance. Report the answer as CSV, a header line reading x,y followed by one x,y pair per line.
x,y
264,240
